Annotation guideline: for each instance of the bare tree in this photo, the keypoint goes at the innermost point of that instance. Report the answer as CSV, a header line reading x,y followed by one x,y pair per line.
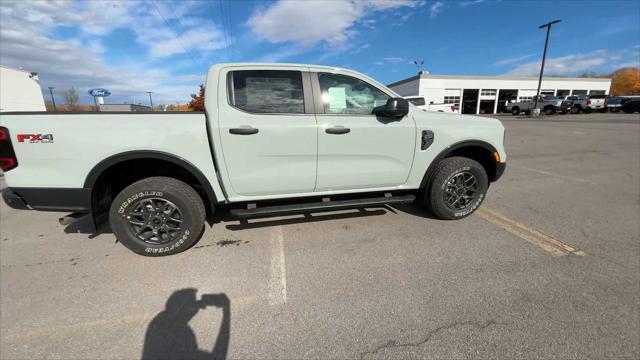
x,y
71,98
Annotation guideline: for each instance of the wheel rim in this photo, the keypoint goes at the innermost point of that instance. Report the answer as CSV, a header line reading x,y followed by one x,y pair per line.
x,y
461,190
155,221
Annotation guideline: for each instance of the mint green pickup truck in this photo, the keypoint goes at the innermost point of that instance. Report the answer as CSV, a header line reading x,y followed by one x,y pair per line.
x,y
314,138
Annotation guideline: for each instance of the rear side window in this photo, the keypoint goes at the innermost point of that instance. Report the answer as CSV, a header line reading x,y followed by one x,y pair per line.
x,y
267,91
417,101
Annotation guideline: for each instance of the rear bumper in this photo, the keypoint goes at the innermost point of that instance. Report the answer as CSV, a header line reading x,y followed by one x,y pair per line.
x,y
48,199
500,167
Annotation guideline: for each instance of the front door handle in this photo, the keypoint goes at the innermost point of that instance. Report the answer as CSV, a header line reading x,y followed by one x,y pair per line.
x,y
337,130
245,130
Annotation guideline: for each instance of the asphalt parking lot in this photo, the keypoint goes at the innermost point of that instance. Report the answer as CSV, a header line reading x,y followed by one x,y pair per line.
x,y
549,267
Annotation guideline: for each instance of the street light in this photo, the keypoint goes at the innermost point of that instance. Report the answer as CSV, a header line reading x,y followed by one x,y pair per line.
x,y
52,99
544,57
150,101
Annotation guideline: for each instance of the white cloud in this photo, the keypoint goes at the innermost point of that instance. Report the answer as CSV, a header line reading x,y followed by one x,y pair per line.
x,y
314,21
472,2
512,60
435,9
25,41
599,61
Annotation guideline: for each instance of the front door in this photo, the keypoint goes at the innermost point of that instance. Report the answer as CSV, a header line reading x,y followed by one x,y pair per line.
x,y
356,149
267,131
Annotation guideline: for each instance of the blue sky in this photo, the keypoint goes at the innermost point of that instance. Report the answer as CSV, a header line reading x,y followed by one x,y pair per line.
x,y
166,46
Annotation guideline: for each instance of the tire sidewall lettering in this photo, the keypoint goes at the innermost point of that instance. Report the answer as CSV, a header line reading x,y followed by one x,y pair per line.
x,y
136,196
165,249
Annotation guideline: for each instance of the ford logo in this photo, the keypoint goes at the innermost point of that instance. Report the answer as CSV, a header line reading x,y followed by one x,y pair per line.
x,y
99,92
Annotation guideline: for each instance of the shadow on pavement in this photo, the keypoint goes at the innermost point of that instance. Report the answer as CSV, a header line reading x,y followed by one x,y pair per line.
x,y
169,336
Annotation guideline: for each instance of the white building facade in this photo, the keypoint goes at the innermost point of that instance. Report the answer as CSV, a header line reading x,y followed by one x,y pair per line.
x,y
489,94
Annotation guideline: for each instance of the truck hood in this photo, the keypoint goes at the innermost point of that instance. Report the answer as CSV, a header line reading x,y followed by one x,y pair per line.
x,y
457,120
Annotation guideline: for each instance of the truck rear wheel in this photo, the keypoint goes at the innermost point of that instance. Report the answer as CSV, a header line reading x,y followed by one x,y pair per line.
x,y
157,216
515,111
458,188
549,110
575,110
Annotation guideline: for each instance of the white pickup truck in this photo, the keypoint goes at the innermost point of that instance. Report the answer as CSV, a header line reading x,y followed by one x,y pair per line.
x,y
315,138
421,103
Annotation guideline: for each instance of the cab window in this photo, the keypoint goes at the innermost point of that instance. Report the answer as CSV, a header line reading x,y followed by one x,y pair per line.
x,y
342,94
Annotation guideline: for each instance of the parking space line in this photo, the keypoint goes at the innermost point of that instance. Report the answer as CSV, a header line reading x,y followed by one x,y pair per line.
x,y
278,279
531,235
560,176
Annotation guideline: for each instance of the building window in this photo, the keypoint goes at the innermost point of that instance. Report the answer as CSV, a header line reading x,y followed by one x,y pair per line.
x,y
452,99
343,94
563,92
488,92
579,92
526,98
546,92
267,91
597,92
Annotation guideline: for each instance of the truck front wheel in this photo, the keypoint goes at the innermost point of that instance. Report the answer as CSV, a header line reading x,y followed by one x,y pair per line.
x,y
458,188
515,111
157,216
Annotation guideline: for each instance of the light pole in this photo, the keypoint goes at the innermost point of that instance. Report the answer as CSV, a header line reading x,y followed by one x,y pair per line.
x,y
52,99
150,100
544,58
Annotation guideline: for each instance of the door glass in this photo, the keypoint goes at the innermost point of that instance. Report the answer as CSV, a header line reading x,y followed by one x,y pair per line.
x,y
343,94
268,91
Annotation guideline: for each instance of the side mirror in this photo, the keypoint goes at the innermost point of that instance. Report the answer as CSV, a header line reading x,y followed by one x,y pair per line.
x,y
394,108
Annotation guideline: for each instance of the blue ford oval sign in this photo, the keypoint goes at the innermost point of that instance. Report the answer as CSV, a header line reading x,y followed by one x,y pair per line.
x,y
99,92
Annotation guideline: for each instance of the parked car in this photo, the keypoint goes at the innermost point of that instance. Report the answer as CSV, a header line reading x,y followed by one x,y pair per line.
x,y
421,103
588,103
315,138
631,106
614,103
548,104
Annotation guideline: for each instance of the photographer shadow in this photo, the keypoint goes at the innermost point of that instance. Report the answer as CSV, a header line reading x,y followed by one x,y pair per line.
x,y
169,335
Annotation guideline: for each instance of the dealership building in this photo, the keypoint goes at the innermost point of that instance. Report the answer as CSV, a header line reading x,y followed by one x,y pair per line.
x,y
489,94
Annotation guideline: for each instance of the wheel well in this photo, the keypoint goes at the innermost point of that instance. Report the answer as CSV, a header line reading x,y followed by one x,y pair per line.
x,y
122,174
479,154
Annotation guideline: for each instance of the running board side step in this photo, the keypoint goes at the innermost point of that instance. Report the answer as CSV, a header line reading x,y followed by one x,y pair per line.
x,y
320,206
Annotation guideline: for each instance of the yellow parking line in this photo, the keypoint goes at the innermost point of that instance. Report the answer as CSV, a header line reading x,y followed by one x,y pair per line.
x,y
531,235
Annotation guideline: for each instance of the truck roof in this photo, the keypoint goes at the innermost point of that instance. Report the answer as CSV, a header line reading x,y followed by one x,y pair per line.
x,y
277,64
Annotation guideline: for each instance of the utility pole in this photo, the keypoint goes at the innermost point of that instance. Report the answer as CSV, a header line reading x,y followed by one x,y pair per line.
x,y
52,99
150,100
544,58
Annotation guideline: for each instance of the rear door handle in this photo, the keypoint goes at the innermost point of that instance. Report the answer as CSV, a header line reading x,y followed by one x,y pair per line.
x,y
337,130
245,130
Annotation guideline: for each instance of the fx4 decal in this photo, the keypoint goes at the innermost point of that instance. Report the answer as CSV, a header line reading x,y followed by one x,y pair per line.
x,y
36,138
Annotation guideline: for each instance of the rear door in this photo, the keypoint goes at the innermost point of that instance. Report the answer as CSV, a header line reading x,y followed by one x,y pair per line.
x,y
356,149
267,130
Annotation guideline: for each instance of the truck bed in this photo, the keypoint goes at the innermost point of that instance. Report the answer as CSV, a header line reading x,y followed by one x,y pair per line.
x,y
67,146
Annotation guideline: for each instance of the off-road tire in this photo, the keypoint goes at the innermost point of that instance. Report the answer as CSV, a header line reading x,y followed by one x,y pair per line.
x,y
575,110
158,190
515,111
446,170
549,110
